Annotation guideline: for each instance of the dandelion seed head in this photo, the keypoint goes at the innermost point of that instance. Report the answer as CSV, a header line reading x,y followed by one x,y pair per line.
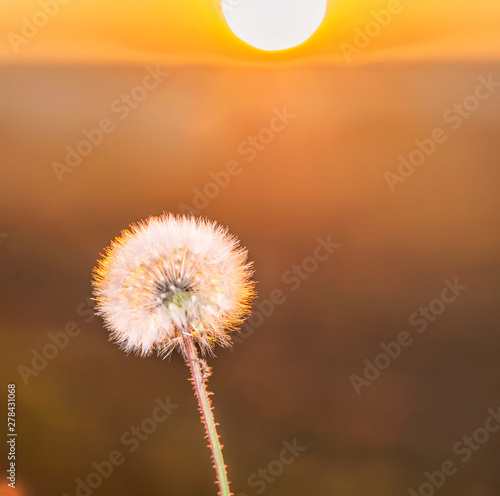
x,y
173,274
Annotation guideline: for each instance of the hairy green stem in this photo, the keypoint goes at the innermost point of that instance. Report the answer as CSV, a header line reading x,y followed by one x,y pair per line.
x,y
207,417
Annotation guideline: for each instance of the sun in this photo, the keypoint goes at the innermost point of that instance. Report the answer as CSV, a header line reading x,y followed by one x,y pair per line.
x,y
274,24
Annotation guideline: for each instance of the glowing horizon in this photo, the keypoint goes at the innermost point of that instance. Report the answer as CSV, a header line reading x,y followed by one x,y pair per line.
x,y
60,31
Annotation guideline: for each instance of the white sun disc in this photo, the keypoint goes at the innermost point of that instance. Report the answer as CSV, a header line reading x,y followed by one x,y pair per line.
x,y
274,24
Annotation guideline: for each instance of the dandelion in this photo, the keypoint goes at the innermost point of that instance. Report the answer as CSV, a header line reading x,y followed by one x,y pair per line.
x,y
176,283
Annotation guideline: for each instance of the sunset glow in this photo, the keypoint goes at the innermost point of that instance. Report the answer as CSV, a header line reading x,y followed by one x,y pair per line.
x,y
196,31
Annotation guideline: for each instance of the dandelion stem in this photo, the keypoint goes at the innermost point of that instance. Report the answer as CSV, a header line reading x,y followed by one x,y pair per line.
x,y
207,417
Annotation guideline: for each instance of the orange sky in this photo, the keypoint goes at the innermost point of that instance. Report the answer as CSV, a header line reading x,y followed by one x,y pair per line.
x,y
192,31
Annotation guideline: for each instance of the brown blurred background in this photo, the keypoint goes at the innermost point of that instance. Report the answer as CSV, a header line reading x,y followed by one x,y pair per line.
x,y
322,175
289,378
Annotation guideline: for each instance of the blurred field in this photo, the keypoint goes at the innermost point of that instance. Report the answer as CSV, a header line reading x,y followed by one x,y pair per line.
x,y
323,174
